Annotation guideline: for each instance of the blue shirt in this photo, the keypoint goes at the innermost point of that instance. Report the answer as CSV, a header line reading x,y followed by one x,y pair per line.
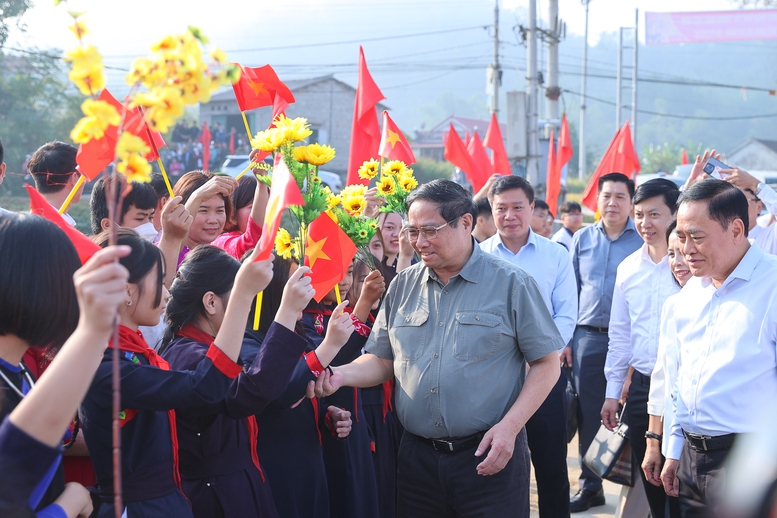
x,y
550,265
595,259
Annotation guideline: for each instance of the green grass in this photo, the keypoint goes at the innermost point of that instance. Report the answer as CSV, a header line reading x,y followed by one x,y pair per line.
x,y
79,211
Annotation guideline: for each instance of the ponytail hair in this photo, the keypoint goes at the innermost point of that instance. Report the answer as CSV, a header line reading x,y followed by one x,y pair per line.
x,y
206,268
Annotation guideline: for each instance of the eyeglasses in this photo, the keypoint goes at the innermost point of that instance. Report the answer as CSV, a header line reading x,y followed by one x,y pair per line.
x,y
754,200
429,233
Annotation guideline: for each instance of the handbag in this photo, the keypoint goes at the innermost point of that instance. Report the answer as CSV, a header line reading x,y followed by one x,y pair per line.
x,y
573,405
609,455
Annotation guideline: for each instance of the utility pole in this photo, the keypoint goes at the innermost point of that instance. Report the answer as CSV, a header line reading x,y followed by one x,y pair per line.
x,y
634,82
532,166
581,154
552,92
626,34
496,72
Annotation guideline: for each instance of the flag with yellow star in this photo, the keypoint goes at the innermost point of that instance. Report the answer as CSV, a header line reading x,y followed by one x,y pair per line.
x,y
393,144
259,87
328,252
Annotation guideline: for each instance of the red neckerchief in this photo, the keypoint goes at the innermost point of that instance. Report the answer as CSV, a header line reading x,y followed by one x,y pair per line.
x,y
388,388
198,335
133,341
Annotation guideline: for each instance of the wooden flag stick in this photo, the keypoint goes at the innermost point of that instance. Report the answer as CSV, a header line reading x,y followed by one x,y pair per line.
x,y
248,130
164,175
258,310
244,171
70,196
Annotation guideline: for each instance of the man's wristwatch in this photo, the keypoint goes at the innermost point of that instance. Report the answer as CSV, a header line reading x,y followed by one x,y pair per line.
x,y
653,435
759,188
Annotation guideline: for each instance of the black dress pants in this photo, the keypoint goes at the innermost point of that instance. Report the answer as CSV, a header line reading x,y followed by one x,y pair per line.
x,y
701,475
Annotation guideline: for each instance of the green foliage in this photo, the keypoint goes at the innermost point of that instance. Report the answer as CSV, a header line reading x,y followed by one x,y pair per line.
x,y
665,157
37,105
426,170
10,9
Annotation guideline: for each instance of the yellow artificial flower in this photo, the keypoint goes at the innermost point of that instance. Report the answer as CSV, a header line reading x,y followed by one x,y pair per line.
x,y
369,169
283,243
268,140
332,201
168,43
363,234
293,129
317,154
299,154
356,189
135,167
84,56
316,179
355,205
385,186
218,55
105,112
373,225
395,167
99,116
129,144
407,182
79,29
86,129
162,105
87,72
332,215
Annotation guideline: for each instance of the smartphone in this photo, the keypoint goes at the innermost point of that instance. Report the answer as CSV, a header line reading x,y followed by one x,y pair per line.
x,y
713,168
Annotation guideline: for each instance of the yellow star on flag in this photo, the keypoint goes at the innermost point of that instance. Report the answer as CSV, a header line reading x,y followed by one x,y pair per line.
x,y
315,251
258,88
393,138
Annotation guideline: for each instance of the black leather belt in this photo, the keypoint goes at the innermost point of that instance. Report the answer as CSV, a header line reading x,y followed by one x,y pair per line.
x,y
604,330
708,443
454,444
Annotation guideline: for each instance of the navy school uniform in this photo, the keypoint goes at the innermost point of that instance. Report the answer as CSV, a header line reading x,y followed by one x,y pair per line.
x,y
220,470
148,396
289,446
350,471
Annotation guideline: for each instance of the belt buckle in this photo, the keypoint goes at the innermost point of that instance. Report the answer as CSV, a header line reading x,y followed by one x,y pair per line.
x,y
443,446
702,438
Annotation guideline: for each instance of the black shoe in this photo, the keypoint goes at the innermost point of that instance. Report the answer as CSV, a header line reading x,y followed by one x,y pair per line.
x,y
585,499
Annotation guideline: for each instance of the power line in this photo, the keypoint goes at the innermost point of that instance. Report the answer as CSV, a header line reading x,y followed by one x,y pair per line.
x,y
674,116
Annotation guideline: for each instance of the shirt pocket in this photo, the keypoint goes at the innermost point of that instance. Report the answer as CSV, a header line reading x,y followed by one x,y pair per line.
x,y
408,335
476,335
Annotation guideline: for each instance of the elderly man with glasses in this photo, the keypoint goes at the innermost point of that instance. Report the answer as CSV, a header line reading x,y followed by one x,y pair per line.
x,y
457,330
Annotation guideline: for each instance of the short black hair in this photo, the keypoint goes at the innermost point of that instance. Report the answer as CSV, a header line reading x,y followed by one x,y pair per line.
x,y
193,180
159,185
52,165
143,258
38,300
483,208
241,197
141,195
658,187
670,229
568,207
451,199
725,203
617,177
506,183
540,204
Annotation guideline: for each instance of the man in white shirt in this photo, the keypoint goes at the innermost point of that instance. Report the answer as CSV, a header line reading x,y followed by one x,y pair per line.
x,y
726,321
53,167
758,195
512,204
642,285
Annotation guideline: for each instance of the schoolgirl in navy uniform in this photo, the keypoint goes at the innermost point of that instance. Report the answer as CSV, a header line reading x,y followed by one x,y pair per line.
x,y
291,428
150,391
349,465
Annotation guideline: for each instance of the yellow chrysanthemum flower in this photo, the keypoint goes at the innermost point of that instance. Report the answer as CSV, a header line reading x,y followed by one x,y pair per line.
x,y
407,182
163,106
283,243
84,56
332,201
369,169
363,234
99,116
373,225
218,55
299,154
129,144
135,167
105,112
355,205
393,168
87,72
316,180
317,154
268,140
86,129
168,43
386,186
79,29
293,129
356,189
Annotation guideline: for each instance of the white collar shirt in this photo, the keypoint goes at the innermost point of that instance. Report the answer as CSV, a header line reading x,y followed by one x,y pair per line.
x,y
727,351
550,265
641,288
766,236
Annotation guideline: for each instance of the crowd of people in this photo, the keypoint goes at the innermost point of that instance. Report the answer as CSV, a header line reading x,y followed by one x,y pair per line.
x,y
430,390
185,151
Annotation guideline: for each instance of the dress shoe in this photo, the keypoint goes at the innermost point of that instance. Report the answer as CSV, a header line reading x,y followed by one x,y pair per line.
x,y
585,499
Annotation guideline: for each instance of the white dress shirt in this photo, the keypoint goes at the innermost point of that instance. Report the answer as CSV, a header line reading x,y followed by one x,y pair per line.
x,y
563,237
727,351
665,372
766,237
641,288
551,267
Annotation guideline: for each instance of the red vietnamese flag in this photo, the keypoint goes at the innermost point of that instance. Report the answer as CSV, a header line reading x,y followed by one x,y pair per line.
x,y
493,141
553,175
561,159
96,155
85,247
205,141
135,123
620,157
393,144
685,157
480,162
279,106
467,138
328,252
259,87
284,192
365,130
456,153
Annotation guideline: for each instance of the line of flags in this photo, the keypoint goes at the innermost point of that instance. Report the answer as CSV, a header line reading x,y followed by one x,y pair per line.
x,y
471,156
620,157
557,159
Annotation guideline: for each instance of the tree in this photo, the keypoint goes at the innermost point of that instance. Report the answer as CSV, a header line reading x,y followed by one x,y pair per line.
x,y
37,105
10,9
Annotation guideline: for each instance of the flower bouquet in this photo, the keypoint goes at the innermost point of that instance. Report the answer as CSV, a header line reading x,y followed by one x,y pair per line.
x,y
347,210
394,184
